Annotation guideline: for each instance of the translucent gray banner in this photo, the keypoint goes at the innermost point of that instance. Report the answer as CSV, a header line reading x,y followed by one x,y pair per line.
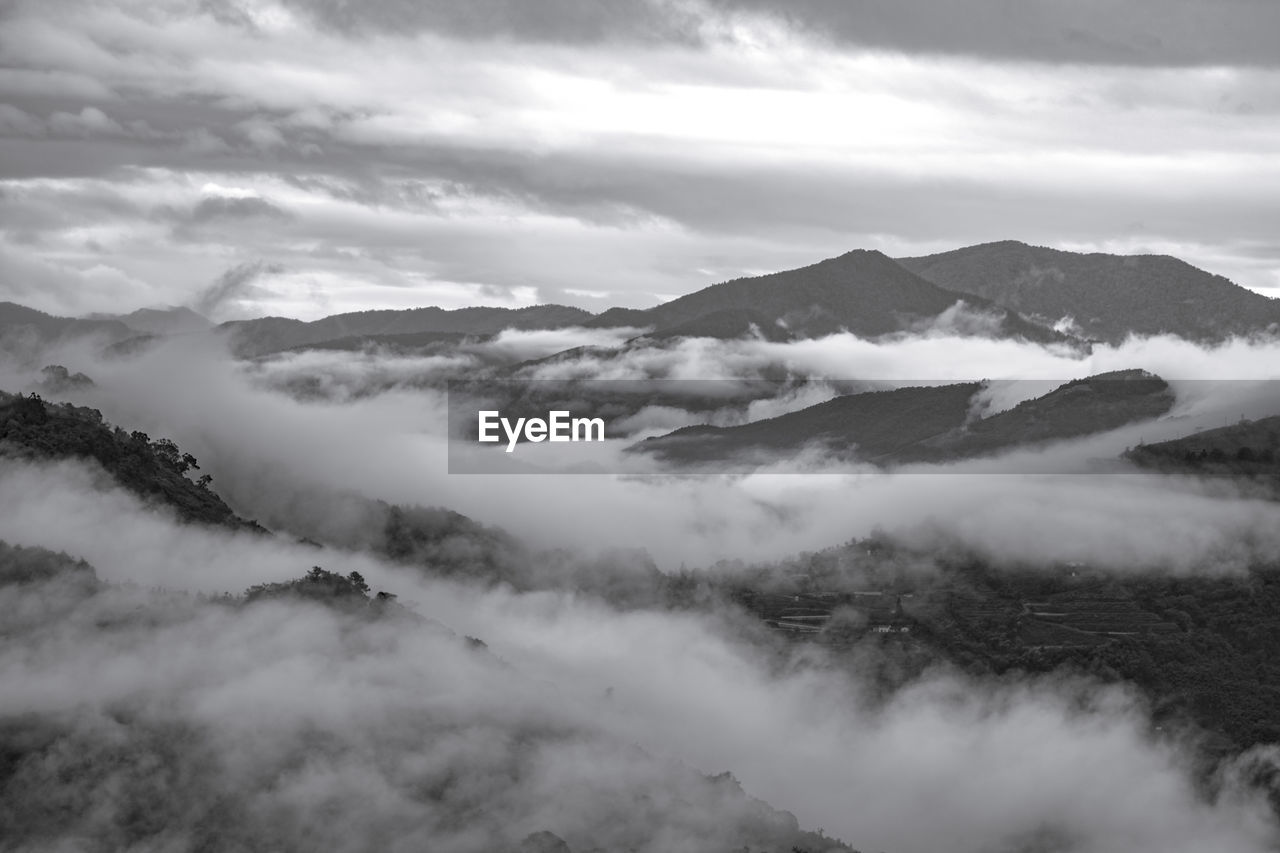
x,y
1126,421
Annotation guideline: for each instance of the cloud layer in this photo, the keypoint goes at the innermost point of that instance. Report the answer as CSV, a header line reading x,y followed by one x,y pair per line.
x,y
280,720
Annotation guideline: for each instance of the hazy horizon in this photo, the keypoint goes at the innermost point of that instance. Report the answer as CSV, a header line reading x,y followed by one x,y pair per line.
x,y
600,308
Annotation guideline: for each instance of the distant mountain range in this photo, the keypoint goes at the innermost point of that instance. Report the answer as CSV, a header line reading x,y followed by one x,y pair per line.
x,y
1003,290
273,334
27,328
863,292
49,328
161,321
1107,296
923,424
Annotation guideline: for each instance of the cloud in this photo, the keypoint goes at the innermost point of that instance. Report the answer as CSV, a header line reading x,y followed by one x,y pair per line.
x,y
578,718
1186,32
236,284
223,708
372,426
63,288
557,21
1146,32
90,121
633,167
14,121
229,207
543,728
509,152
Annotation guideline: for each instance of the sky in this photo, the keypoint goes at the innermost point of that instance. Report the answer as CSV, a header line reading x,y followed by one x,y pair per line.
x,y
298,158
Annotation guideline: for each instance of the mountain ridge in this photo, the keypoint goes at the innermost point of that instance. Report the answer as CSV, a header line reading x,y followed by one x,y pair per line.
x,y
1004,289
862,291
924,424
272,334
1107,296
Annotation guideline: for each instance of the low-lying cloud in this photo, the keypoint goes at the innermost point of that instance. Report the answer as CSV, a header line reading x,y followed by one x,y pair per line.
x,y
578,719
283,460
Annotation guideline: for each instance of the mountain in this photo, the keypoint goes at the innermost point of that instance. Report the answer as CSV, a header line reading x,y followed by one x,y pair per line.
x,y
417,342
273,334
48,328
1107,296
1248,448
1202,646
925,424
878,424
863,292
164,321
1083,407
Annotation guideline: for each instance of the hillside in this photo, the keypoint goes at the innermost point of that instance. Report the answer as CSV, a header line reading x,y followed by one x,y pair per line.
x,y
1202,648
273,334
1079,408
1249,448
873,425
1107,296
152,469
923,424
46,328
863,292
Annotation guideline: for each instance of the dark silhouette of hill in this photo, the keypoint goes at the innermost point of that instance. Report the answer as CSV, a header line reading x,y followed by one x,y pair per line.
x,y
924,424
273,334
412,342
1079,408
863,292
152,469
874,424
1108,296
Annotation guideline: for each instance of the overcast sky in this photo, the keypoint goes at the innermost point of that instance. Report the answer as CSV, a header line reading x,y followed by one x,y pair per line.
x,y
302,158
